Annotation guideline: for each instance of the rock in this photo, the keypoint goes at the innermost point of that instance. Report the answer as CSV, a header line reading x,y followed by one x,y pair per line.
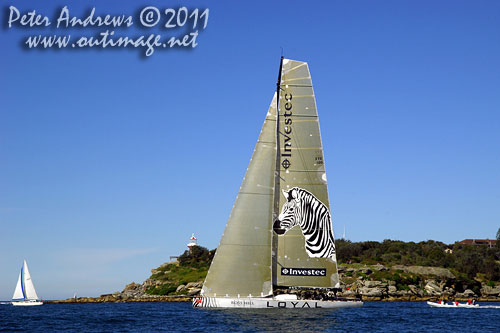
x,y
405,293
180,288
466,294
194,292
372,292
415,290
432,288
194,285
392,291
449,291
373,284
365,270
425,270
347,293
379,267
131,286
489,291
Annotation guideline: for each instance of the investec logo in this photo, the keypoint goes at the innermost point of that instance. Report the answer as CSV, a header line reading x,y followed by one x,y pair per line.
x,y
303,271
287,132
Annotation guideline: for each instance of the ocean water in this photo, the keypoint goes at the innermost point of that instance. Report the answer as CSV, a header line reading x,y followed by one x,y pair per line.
x,y
181,317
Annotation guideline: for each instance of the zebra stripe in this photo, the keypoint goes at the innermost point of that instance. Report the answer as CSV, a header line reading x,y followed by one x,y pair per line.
x,y
204,302
304,209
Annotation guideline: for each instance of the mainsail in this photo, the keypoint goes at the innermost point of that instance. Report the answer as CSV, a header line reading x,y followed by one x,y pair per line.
x,y
25,290
306,252
280,232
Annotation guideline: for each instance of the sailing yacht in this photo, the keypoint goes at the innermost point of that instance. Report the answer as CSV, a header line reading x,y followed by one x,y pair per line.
x,y
279,236
25,293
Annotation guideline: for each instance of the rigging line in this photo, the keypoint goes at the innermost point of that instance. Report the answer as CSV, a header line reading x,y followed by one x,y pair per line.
x,y
278,175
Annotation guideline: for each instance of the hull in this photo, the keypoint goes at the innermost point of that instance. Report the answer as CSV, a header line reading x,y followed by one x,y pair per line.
x,y
27,303
270,303
444,305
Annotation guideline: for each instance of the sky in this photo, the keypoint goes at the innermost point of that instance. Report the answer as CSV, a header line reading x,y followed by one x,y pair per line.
x,y
111,159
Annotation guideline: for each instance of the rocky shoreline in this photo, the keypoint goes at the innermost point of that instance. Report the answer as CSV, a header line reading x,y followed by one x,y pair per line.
x,y
115,299
411,283
366,282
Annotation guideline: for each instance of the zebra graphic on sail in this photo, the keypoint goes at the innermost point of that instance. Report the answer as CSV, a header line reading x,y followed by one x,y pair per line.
x,y
302,208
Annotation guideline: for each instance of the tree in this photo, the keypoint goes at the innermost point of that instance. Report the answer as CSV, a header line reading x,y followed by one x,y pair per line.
x,y
498,234
198,254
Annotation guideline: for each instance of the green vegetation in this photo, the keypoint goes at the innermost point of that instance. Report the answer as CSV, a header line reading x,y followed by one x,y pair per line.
x,y
191,267
468,262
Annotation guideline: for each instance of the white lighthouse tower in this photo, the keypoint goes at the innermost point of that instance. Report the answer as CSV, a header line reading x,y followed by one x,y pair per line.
x,y
193,241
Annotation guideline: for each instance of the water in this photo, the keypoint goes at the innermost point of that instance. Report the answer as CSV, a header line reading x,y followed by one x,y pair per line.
x,y
181,317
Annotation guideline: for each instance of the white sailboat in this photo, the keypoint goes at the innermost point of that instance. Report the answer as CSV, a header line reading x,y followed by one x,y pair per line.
x,y
279,236
25,293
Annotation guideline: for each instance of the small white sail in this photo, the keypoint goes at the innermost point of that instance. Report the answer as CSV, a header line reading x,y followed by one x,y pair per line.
x,y
29,288
18,293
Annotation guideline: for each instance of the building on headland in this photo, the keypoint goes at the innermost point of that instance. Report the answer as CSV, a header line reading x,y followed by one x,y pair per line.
x,y
193,241
484,242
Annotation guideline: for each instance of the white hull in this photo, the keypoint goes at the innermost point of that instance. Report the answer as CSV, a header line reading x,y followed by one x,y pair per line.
x,y
27,303
270,303
445,305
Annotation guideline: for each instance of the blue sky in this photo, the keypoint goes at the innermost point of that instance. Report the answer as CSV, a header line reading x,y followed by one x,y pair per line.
x,y
109,160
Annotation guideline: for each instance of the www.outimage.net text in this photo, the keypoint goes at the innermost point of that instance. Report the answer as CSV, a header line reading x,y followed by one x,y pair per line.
x,y
111,29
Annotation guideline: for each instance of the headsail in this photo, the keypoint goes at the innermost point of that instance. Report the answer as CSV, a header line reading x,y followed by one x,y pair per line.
x,y
19,291
242,263
306,251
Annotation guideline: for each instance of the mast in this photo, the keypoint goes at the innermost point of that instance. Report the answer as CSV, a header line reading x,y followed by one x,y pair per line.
x,y
274,242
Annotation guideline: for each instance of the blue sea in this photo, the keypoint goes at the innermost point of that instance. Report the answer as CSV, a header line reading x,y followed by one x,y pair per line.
x,y
181,317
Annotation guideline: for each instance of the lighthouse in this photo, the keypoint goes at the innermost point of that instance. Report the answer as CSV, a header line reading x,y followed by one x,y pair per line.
x,y
193,241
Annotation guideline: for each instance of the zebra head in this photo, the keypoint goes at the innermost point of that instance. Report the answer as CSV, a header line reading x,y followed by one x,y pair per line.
x,y
290,213
302,208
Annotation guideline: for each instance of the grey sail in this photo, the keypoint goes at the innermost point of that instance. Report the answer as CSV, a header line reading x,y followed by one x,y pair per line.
x,y
242,263
303,229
